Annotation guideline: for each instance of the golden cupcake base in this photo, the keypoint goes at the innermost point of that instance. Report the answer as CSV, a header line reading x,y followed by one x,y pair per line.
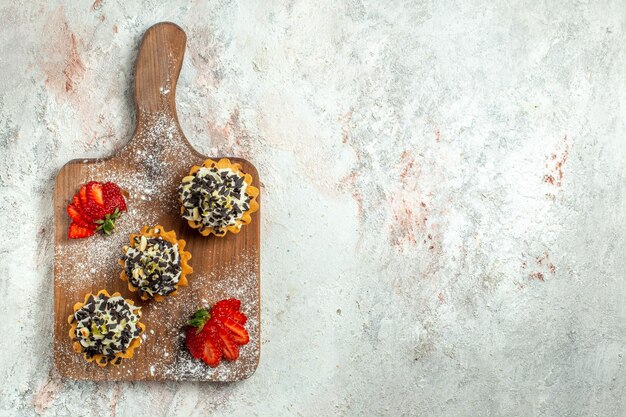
x,y
153,232
251,190
100,359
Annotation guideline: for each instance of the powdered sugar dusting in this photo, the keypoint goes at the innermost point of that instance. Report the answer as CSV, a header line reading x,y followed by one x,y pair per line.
x,y
159,149
239,281
99,253
149,170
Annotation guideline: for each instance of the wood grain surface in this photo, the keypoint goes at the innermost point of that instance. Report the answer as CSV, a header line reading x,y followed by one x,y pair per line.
x,y
150,168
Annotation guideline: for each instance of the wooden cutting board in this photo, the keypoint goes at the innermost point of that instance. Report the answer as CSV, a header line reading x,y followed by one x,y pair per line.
x,y
150,168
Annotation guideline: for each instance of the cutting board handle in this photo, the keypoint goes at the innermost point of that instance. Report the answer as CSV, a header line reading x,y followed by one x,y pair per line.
x,y
157,68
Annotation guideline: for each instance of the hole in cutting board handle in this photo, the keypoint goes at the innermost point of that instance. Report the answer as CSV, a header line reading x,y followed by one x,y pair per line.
x,y
157,69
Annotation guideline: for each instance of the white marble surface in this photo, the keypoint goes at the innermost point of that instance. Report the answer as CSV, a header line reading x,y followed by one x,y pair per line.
x,y
444,198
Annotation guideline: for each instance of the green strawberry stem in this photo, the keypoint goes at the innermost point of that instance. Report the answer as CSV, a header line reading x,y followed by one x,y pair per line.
x,y
199,319
107,225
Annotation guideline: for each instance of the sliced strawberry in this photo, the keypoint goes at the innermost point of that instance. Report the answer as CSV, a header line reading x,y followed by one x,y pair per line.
x,y
230,303
195,342
120,202
213,348
77,231
239,317
79,206
91,200
231,351
110,188
76,201
217,332
239,333
76,216
221,311
114,202
94,193
222,314
113,198
93,210
202,339
82,194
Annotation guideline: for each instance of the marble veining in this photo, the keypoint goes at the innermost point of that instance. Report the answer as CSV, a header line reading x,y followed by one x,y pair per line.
x,y
443,185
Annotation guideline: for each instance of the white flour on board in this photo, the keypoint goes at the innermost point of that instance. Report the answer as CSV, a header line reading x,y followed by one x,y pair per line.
x,y
238,281
83,263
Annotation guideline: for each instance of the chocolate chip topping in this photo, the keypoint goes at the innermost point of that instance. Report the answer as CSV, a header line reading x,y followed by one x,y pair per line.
x,y
214,198
106,325
153,265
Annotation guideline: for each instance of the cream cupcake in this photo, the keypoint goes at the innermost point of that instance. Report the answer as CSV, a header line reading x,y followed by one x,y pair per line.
x,y
155,263
218,197
105,328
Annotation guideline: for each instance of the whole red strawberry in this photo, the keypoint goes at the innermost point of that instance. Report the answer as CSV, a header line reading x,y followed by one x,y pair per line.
x,y
217,332
95,207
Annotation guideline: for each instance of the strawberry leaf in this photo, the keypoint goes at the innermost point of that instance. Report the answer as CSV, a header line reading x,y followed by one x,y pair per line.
x,y
199,319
